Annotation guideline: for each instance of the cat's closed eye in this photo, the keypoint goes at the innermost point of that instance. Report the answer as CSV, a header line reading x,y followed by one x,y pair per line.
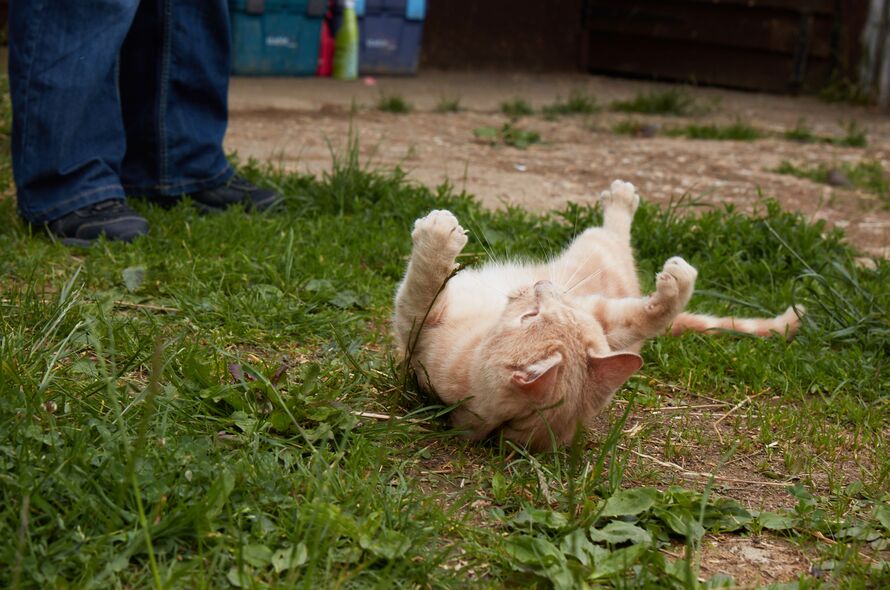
x,y
529,315
515,295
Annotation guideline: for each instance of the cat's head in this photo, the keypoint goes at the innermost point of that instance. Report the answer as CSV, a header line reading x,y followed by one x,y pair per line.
x,y
550,367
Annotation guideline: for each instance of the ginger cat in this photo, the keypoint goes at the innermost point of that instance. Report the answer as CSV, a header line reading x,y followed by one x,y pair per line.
x,y
535,350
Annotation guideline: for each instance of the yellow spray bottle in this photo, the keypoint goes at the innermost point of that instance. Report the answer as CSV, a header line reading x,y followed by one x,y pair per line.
x,y
346,44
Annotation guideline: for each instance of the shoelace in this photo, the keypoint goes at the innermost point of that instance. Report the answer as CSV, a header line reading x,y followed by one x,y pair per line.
x,y
106,205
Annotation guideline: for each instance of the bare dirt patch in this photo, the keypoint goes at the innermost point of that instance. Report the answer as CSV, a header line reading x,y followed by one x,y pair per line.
x,y
753,561
298,124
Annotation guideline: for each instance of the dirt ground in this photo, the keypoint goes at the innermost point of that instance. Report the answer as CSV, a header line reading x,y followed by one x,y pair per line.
x,y
296,123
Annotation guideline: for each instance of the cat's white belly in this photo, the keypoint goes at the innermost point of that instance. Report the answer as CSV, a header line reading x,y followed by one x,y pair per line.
x,y
482,293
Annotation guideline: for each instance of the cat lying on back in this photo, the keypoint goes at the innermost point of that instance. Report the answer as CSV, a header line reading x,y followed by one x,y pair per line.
x,y
536,350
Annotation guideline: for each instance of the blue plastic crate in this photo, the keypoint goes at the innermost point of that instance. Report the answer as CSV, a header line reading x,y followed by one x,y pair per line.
x,y
276,37
390,32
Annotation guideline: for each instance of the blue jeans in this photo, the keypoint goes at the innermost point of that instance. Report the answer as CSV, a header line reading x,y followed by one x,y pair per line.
x,y
116,97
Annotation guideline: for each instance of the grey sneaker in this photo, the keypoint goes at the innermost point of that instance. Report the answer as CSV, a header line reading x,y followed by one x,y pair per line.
x,y
113,218
236,190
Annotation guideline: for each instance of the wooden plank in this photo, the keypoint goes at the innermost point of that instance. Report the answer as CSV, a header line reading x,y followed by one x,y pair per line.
x,y
729,26
524,35
824,7
687,62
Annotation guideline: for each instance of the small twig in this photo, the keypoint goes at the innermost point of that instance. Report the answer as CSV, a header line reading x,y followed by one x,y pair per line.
x,y
633,430
822,537
542,482
747,399
678,408
740,458
671,553
686,391
385,417
719,436
698,474
147,306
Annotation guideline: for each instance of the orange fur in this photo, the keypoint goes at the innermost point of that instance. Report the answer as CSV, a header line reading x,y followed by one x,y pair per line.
x,y
535,350
786,324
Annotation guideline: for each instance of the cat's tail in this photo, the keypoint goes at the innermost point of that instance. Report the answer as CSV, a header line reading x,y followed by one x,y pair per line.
x,y
786,324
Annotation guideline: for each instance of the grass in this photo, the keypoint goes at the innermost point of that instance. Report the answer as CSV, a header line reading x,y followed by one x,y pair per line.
x,y
448,105
841,89
674,102
393,103
627,127
801,132
578,103
508,134
207,407
737,131
854,135
866,175
517,108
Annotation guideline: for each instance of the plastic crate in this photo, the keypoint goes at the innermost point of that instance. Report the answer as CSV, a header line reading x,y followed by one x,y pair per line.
x,y
390,32
276,37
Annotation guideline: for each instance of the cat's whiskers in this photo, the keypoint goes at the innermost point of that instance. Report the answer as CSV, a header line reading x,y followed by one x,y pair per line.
x,y
578,268
558,275
480,238
592,275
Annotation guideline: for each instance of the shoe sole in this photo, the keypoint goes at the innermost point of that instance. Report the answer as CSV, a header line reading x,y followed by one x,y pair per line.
x,y
258,207
81,243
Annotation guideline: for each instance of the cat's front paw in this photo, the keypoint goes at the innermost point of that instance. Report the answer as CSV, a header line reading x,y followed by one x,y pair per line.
x,y
676,281
622,194
439,233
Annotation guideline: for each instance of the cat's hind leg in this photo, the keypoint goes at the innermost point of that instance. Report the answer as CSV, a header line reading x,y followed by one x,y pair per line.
x,y
438,238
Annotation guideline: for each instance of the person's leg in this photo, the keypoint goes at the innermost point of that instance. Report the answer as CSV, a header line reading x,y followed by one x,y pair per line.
x,y
68,136
175,99
175,106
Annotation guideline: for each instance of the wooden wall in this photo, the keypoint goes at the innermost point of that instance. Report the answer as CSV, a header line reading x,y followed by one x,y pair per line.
x,y
777,45
774,45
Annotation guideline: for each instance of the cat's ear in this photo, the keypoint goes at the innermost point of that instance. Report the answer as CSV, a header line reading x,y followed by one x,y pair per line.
x,y
612,370
538,378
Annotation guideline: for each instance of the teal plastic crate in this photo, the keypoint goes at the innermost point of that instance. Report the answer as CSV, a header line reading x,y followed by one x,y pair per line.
x,y
276,37
390,33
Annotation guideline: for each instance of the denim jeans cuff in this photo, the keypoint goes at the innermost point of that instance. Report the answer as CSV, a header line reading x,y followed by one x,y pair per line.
x,y
73,203
184,187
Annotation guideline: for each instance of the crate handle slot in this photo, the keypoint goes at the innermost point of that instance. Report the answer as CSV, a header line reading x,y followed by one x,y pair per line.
x,y
255,7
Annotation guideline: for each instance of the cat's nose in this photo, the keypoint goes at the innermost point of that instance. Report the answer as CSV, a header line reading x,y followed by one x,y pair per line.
x,y
544,288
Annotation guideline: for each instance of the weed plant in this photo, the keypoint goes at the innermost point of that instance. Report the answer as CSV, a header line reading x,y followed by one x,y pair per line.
x,y
508,134
627,127
393,103
867,175
854,135
737,131
517,108
801,132
578,103
449,105
675,102
841,89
